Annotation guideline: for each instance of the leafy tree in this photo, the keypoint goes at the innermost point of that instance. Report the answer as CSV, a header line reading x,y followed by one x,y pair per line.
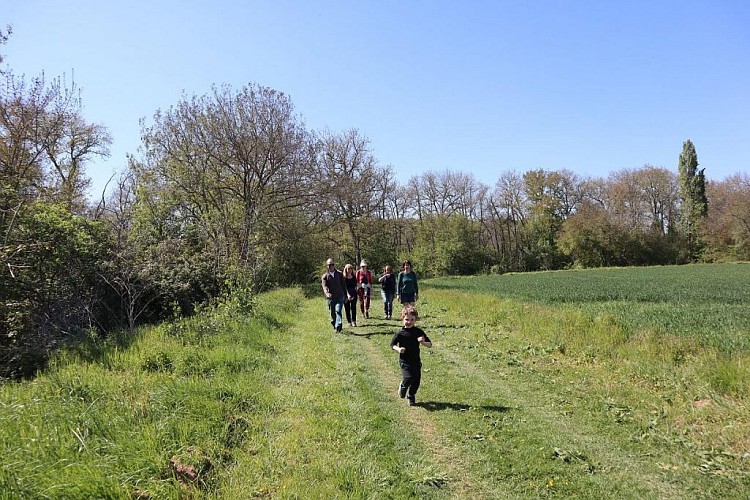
x,y
694,204
51,290
584,238
552,197
447,246
227,169
47,142
50,252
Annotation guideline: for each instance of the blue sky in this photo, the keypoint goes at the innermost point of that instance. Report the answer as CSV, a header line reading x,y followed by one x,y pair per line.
x,y
474,86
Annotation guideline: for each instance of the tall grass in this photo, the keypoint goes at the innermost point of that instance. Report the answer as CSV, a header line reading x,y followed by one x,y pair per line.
x,y
159,418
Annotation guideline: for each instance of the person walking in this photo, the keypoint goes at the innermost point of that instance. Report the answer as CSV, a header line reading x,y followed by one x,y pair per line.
x,y
387,290
350,306
364,284
407,288
334,289
406,343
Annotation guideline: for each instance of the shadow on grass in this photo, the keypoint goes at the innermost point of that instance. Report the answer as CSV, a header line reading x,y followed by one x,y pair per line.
x,y
382,332
439,406
374,328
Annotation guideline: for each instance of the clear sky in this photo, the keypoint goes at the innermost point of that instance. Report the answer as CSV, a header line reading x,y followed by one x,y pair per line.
x,y
476,86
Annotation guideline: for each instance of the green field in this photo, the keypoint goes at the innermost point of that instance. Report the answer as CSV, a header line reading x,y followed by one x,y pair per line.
x,y
706,302
618,383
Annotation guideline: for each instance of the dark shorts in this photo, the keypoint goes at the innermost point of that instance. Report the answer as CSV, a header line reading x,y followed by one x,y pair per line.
x,y
407,297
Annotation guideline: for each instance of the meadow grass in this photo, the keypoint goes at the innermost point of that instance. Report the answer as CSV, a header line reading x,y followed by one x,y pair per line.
x,y
523,396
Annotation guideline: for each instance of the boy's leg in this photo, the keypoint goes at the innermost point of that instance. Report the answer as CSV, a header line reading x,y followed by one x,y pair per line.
x,y
412,378
416,380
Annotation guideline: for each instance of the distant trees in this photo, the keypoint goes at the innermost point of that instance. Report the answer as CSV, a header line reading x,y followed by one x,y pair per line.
x,y
728,220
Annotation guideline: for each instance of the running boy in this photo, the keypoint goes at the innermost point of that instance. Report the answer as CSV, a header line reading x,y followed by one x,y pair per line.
x,y
406,342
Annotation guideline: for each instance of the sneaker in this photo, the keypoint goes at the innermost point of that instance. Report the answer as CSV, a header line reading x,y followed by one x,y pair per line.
x,y
401,390
354,324
367,314
412,401
338,329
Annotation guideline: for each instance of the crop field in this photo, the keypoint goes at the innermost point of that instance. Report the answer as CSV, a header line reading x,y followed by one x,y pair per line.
x,y
618,383
709,302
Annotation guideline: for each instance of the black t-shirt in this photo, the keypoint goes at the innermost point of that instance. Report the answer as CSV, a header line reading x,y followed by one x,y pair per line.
x,y
407,337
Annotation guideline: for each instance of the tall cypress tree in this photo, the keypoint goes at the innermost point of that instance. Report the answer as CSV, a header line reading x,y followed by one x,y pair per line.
x,y
693,201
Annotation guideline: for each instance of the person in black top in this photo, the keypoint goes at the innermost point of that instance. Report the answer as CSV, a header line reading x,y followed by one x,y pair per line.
x,y
406,342
387,290
350,304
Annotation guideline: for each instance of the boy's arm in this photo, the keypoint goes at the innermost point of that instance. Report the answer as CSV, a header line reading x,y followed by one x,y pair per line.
x,y
425,340
395,346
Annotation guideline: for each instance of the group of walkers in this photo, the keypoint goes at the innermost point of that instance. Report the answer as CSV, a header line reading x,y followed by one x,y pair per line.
x,y
344,289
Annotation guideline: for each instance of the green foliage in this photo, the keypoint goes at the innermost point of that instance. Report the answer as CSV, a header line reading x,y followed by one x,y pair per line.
x,y
542,250
590,238
379,249
446,246
53,288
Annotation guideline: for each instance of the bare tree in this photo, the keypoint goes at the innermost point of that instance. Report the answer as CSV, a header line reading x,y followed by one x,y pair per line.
x,y
354,186
46,142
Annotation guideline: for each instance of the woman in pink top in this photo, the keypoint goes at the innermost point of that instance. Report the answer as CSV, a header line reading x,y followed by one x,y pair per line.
x,y
364,288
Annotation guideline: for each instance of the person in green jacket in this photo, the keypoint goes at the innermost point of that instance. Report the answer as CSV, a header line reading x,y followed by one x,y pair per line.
x,y
407,288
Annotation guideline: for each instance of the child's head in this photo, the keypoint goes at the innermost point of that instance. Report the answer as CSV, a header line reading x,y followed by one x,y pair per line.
x,y
409,316
388,269
406,266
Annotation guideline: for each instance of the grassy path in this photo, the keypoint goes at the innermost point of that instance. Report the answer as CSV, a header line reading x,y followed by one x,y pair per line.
x,y
490,423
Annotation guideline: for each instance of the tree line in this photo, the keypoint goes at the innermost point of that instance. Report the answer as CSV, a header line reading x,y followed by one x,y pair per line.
x,y
231,194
